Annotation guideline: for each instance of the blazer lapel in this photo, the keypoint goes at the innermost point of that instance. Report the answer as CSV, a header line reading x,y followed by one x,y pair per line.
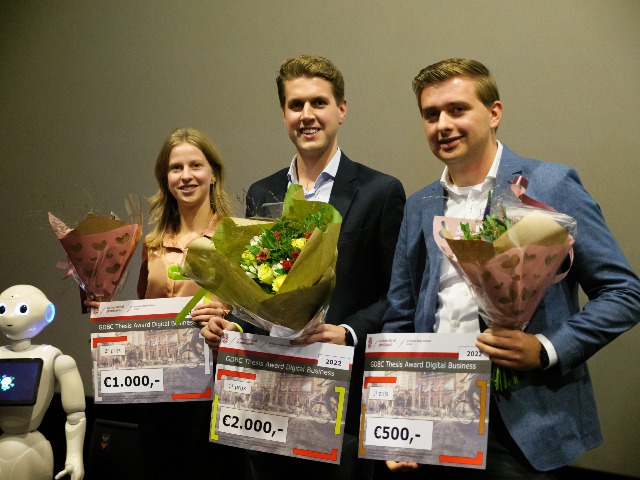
x,y
510,166
430,210
279,187
345,187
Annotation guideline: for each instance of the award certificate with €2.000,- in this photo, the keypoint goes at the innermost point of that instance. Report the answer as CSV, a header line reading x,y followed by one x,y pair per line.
x,y
273,397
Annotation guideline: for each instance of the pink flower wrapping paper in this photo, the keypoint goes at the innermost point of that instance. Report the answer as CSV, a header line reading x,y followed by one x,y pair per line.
x,y
99,250
508,276
508,283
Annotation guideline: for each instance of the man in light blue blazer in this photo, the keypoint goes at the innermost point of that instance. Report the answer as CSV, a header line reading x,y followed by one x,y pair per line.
x,y
549,418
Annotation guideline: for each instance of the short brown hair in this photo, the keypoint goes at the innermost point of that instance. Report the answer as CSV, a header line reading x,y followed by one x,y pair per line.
x,y
310,66
486,87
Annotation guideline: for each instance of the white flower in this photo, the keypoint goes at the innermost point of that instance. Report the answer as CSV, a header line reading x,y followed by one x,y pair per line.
x,y
250,270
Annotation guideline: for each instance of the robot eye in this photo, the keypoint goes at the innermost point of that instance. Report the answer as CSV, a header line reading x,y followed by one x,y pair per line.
x,y
22,309
3,309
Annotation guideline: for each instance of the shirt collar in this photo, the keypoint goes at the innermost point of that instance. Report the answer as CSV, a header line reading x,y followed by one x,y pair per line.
x,y
329,171
491,176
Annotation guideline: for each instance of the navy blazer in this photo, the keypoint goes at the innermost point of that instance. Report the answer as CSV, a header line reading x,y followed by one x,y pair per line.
x,y
550,414
371,205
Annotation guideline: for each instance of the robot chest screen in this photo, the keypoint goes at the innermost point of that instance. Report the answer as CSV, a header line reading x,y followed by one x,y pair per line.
x,y
19,380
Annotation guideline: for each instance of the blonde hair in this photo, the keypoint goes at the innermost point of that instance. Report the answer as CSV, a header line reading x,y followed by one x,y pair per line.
x,y
165,215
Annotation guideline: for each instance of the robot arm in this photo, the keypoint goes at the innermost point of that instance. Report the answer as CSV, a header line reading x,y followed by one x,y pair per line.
x,y
72,394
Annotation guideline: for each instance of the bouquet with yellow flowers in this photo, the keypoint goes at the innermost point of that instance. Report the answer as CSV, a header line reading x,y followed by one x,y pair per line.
x,y
278,275
271,255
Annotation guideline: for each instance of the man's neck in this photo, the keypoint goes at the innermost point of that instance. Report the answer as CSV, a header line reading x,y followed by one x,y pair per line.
x,y
309,168
474,172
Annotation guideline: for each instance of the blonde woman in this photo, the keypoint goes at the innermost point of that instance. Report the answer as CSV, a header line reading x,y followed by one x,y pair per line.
x,y
189,204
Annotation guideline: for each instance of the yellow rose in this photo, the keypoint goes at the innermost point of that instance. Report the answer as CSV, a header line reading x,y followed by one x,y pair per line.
x,y
299,243
247,257
277,282
265,273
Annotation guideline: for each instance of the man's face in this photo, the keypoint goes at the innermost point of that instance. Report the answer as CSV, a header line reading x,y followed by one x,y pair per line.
x,y
460,129
312,116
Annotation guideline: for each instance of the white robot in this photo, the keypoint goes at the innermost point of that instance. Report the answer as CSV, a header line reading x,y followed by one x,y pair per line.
x,y
28,377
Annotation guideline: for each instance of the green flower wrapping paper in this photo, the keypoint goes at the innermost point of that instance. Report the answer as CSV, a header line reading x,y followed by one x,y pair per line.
x,y
304,295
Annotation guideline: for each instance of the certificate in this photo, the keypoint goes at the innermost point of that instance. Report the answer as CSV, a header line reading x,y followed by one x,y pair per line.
x,y
278,398
140,355
425,399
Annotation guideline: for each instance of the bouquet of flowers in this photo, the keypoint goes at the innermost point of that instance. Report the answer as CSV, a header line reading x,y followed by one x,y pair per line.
x,y
271,255
99,249
277,275
508,259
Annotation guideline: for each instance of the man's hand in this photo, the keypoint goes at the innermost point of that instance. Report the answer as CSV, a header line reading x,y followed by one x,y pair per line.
x,y
323,332
401,466
510,348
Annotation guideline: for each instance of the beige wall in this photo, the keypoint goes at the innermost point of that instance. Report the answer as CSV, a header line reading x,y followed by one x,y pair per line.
x,y
89,90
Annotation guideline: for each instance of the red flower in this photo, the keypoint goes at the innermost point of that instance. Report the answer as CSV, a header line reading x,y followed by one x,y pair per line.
x,y
307,235
294,255
263,255
287,264
278,235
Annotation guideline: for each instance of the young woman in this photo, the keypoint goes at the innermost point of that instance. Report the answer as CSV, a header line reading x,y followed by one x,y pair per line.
x,y
189,203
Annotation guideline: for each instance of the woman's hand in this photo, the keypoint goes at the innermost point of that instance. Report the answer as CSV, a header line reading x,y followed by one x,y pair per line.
x,y
202,313
91,302
215,325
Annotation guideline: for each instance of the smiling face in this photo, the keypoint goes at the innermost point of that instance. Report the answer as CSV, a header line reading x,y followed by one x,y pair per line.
x,y
189,176
460,129
312,117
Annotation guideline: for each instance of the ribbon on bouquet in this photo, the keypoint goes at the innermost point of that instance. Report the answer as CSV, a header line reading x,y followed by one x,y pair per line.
x,y
519,187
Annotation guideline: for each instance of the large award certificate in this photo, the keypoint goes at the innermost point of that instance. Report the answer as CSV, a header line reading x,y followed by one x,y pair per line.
x,y
140,355
425,399
277,398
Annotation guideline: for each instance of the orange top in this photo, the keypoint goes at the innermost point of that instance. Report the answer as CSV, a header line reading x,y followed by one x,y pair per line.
x,y
154,281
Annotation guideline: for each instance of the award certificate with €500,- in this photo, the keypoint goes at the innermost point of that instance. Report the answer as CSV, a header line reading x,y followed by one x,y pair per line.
x,y
425,399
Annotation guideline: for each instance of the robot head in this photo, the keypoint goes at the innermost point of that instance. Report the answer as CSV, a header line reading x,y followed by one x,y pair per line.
x,y
24,312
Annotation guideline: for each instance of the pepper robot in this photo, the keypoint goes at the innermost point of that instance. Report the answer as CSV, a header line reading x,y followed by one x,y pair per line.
x,y
29,375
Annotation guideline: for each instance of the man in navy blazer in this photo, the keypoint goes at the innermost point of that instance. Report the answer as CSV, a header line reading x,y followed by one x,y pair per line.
x,y
549,418
311,91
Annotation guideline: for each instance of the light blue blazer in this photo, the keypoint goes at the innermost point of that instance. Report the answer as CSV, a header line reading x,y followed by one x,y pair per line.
x,y
550,414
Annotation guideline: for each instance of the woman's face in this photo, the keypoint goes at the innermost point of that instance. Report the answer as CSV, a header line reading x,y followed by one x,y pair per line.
x,y
189,175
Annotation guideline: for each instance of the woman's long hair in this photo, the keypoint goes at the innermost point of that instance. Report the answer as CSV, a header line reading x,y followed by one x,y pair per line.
x,y
165,215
